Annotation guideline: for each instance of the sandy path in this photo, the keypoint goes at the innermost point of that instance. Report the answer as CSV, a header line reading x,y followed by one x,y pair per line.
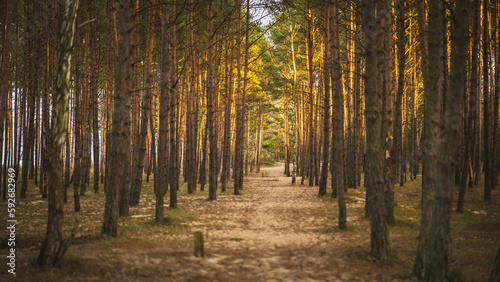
x,y
286,235
275,231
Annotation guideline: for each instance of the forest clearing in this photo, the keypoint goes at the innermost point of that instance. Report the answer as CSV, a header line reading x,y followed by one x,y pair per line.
x,y
274,231
315,140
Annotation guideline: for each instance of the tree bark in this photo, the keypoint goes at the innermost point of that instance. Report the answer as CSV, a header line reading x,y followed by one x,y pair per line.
x,y
338,116
326,104
94,87
439,223
310,84
486,106
431,135
398,127
119,151
374,174
162,163
173,169
211,110
135,189
469,118
5,71
53,247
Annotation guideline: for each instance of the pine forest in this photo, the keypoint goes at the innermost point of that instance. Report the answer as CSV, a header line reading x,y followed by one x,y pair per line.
x,y
249,140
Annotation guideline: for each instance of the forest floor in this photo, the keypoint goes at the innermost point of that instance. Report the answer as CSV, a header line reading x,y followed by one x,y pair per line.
x,y
274,231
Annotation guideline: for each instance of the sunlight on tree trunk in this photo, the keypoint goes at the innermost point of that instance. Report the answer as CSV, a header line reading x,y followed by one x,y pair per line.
x,y
53,247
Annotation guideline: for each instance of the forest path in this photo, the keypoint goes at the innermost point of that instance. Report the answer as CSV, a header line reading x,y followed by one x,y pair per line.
x,y
274,231
277,231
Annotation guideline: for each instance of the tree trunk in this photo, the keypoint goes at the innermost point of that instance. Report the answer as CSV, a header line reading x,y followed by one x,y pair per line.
x,y
240,108
119,151
398,127
431,137
486,107
390,173
162,163
469,118
53,247
135,189
211,110
439,223
226,146
326,105
494,153
310,84
5,71
94,87
32,94
173,168
374,174
338,115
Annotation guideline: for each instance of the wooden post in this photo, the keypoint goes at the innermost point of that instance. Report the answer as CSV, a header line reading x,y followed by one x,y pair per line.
x,y
198,244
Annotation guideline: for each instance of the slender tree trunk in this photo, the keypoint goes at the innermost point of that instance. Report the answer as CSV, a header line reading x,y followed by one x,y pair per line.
x,y
240,109
398,127
468,147
162,165
338,115
94,72
374,175
119,151
174,144
390,173
53,247
203,165
486,105
310,84
494,153
191,130
135,189
226,147
76,122
326,104
5,71
32,94
211,110
287,136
